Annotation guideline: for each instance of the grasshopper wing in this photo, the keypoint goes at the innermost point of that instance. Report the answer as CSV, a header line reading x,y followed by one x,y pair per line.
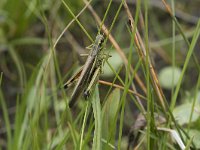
x,y
74,78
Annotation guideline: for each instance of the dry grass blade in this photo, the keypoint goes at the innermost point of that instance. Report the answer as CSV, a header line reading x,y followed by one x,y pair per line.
x,y
121,87
142,52
175,136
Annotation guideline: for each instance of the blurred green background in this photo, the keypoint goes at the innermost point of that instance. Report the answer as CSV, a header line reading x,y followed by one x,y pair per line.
x,y
28,32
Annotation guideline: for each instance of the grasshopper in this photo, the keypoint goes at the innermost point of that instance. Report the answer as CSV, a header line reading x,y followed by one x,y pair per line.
x,y
89,73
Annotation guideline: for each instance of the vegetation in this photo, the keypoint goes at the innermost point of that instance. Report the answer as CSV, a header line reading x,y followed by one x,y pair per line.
x,y
147,96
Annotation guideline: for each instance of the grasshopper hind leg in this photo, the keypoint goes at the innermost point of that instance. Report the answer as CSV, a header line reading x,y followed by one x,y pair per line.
x,y
87,92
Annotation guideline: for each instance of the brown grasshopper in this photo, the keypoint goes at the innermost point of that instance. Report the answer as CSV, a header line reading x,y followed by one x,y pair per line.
x,y
89,73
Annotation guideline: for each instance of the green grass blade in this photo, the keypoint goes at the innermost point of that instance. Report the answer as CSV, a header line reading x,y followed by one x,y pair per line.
x,y
19,65
83,126
98,120
5,116
194,101
189,54
70,11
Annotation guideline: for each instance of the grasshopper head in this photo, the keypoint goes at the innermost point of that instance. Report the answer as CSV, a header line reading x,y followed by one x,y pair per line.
x,y
99,39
